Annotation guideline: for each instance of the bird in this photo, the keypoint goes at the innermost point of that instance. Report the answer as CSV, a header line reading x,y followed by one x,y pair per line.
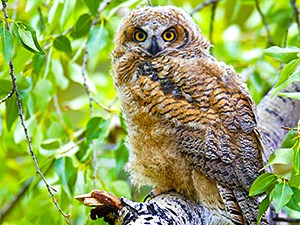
x,y
191,122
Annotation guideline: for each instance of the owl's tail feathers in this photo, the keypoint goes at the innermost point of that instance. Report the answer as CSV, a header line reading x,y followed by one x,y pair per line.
x,y
242,208
231,205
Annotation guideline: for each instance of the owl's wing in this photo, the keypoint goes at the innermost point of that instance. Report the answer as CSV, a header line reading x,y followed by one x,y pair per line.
x,y
212,113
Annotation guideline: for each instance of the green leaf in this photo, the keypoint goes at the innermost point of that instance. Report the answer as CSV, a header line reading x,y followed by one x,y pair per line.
x,y
51,144
293,95
287,71
294,180
11,111
82,26
281,195
63,44
93,5
262,183
296,161
294,202
291,79
97,40
43,93
66,172
66,12
290,139
284,55
57,69
28,39
263,207
281,156
7,42
121,188
96,127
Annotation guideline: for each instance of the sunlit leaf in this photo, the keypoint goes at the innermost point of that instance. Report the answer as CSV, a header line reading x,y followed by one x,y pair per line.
x,y
281,156
261,184
97,40
281,195
293,95
287,71
43,92
296,161
284,55
294,77
68,7
28,39
7,42
57,69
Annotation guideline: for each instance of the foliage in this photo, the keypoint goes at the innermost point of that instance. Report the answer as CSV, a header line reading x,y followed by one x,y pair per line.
x,y
60,52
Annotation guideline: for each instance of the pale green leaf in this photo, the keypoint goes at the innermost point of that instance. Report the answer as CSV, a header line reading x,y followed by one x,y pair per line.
x,y
281,195
284,55
293,95
51,144
281,156
7,42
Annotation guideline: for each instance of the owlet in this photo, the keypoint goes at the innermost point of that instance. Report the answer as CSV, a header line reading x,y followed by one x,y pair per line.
x,y
191,121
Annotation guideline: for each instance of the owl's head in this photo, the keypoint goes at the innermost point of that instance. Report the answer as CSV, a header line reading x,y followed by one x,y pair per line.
x,y
157,31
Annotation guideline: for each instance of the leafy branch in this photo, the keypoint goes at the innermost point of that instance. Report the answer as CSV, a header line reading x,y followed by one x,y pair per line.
x,y
50,189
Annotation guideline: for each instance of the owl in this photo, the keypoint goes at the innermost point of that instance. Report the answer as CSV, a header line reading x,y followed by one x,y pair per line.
x,y
191,121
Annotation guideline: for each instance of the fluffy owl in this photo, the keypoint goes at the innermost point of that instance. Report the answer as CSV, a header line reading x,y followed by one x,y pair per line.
x,y
191,121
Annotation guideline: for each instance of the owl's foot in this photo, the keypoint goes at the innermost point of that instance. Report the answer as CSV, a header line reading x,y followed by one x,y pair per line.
x,y
155,192
106,204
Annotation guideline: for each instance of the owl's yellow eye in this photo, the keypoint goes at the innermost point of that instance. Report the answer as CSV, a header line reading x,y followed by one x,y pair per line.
x,y
139,35
169,35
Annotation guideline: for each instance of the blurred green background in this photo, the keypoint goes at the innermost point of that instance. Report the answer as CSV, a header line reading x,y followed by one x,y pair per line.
x,y
79,149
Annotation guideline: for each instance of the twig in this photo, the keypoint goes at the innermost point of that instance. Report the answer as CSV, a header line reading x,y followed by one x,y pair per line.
x,y
10,205
85,59
288,220
7,96
87,88
270,40
21,116
212,18
150,3
202,5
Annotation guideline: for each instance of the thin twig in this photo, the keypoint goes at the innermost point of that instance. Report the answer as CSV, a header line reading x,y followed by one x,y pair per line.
x,y
270,40
7,96
202,5
87,88
288,220
212,18
21,116
10,205
150,3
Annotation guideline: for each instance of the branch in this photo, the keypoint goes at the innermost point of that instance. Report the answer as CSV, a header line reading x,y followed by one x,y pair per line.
x,y
270,40
85,62
202,5
212,18
21,116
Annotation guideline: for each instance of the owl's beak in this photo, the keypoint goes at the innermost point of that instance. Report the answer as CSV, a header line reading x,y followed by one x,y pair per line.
x,y
154,47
